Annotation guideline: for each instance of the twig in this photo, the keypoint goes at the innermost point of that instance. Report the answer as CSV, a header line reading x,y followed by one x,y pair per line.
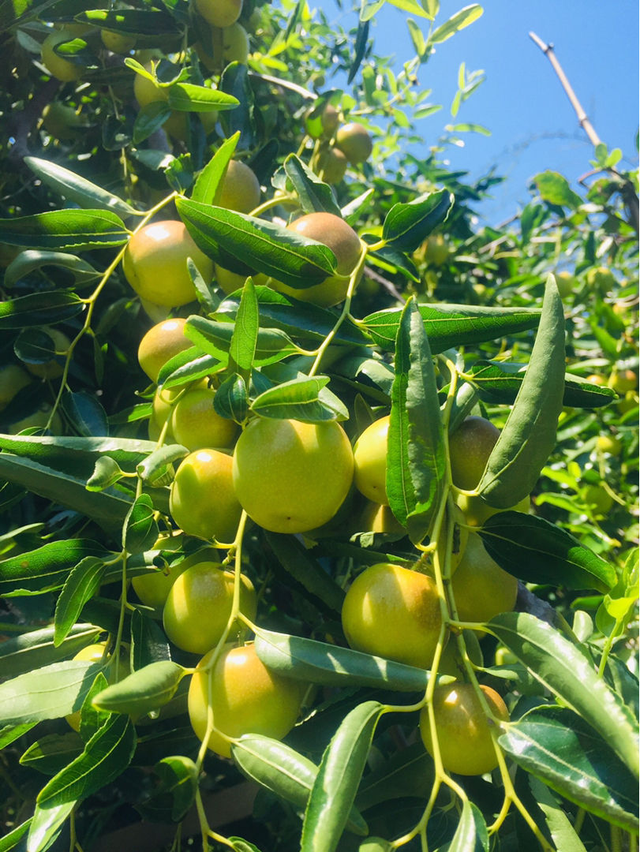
x,y
388,285
586,125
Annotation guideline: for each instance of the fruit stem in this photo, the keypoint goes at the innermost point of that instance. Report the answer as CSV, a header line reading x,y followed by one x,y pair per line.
x,y
353,280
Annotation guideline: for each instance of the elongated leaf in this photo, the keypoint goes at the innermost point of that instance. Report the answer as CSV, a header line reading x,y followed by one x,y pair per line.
x,y
283,771
416,463
267,247
320,662
529,435
232,399
314,195
30,260
558,747
563,669
46,568
185,97
29,651
298,319
187,366
304,569
140,527
456,23
144,690
453,325
174,795
75,188
148,642
555,189
360,48
562,831
53,752
130,21
208,185
406,773
245,334
10,733
46,825
305,399
105,757
80,586
215,339
407,225
107,508
336,784
537,551
411,6
47,693
65,230
11,839
85,414
464,840
38,309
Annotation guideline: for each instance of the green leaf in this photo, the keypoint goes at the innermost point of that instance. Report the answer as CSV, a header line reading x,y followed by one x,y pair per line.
x,y
283,771
413,7
30,260
359,49
185,97
47,693
150,117
10,733
46,568
189,365
232,399
146,689
314,195
555,745
77,189
53,752
29,651
416,461
80,586
529,435
158,462
140,529
306,571
306,399
38,309
408,772
85,414
322,663
91,718
65,230
106,473
105,757
563,669
13,837
336,784
562,831
262,245
555,189
464,840
456,23
417,38
148,642
453,325
407,225
499,383
208,185
245,334
537,551
174,794
46,825
131,21
215,338
298,319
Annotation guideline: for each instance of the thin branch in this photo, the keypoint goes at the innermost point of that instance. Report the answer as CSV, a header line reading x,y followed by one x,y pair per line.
x,y
586,125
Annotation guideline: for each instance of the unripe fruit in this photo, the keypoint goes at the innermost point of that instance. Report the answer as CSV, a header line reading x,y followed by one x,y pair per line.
x,y
469,449
203,501
464,732
146,91
609,444
379,519
227,280
95,654
476,511
601,278
195,423
219,13
598,498
623,380
232,42
370,458
240,188
246,698
565,282
160,344
12,379
199,604
59,67
153,587
61,121
394,613
39,419
290,476
481,588
436,250
595,379
355,142
329,121
155,263
332,165
118,42
628,403
334,232
55,367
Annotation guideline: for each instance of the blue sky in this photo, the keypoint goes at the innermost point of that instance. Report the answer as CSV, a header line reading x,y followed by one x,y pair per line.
x,y
533,124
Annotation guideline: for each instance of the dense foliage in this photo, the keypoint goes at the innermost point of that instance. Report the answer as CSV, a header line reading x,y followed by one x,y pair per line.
x,y
455,669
